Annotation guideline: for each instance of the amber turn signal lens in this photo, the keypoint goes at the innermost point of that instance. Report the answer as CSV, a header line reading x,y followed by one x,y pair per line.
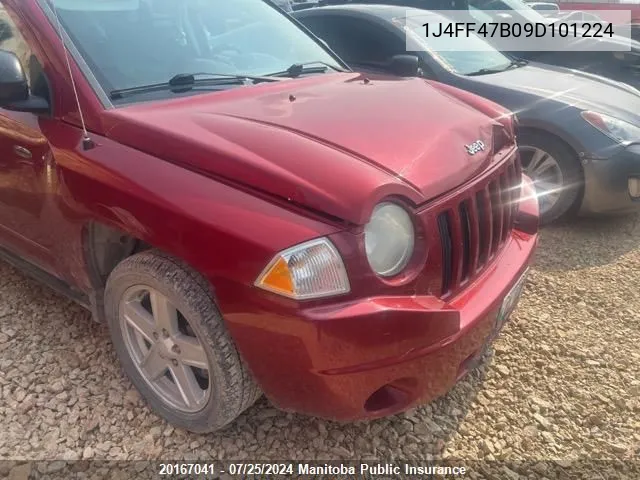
x,y
310,270
278,278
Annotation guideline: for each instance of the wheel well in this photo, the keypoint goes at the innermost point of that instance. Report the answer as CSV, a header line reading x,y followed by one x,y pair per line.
x,y
542,131
106,247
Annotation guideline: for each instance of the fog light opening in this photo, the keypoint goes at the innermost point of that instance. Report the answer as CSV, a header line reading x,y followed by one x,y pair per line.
x,y
634,187
388,397
469,364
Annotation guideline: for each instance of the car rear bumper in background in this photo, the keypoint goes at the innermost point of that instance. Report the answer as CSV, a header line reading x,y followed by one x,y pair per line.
x,y
607,189
377,356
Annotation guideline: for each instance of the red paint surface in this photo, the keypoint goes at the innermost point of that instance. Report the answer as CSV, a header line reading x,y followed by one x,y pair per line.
x,y
227,180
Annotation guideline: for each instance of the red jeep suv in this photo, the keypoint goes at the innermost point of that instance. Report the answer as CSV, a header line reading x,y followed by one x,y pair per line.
x,y
247,214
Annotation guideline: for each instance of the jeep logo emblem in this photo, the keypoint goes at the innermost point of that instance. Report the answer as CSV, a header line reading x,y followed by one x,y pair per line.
x,y
475,147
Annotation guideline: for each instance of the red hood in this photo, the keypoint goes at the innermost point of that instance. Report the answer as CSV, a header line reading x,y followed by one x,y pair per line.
x,y
333,143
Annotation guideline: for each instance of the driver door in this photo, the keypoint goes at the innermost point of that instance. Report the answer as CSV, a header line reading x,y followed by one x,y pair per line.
x,y
25,164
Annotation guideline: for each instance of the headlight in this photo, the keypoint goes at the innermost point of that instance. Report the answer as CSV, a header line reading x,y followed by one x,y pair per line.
x,y
623,132
310,270
389,239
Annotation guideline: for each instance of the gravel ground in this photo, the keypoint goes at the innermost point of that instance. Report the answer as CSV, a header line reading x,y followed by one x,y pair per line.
x,y
562,382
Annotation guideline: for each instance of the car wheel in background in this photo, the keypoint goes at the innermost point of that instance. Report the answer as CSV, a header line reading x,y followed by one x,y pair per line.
x,y
173,345
555,171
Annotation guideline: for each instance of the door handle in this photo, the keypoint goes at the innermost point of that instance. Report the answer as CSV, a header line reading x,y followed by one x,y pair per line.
x,y
22,152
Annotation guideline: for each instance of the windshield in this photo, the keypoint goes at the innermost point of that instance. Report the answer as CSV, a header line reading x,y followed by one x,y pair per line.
x,y
132,43
450,51
523,10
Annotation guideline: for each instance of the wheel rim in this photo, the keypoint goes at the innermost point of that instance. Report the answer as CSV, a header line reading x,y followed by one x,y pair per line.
x,y
546,174
165,349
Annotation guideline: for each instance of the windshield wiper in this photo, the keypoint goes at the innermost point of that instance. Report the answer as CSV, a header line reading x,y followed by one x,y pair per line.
x,y
305,68
486,71
183,82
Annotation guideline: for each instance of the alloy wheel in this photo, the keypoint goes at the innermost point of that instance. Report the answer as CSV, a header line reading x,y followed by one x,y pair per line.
x,y
165,349
546,174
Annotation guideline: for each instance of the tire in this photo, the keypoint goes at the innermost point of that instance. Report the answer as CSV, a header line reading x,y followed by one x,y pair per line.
x,y
230,388
572,181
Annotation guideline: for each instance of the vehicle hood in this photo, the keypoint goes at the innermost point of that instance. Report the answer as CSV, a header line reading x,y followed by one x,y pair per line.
x,y
336,143
582,90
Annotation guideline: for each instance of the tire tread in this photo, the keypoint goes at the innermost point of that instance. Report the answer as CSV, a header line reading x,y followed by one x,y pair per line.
x,y
240,391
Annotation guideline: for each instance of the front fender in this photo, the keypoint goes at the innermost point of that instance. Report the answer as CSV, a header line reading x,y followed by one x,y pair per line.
x,y
225,233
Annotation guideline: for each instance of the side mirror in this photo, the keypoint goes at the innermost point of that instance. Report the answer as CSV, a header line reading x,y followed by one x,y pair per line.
x,y
405,65
13,82
14,87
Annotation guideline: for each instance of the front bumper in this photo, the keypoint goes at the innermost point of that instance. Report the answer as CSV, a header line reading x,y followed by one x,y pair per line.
x,y
380,355
606,187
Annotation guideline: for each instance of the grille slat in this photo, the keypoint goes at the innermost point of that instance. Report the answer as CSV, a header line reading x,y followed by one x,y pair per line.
x,y
474,238
474,229
506,205
496,215
518,167
486,193
517,185
512,181
483,228
444,227
467,243
457,243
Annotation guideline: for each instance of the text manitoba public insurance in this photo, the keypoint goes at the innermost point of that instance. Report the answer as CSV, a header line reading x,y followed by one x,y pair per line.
x,y
379,469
